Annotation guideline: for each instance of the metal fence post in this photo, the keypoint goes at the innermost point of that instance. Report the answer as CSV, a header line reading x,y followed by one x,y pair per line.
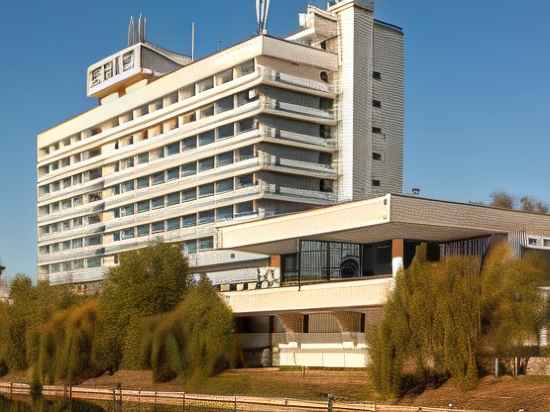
x,y
235,404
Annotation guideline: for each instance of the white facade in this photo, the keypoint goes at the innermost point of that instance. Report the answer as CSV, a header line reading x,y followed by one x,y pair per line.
x,y
268,126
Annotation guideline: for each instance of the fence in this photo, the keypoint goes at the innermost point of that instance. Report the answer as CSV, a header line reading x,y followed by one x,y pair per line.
x,y
184,401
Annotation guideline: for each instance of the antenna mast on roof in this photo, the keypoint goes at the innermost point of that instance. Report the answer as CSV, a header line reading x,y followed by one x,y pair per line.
x,y
137,30
262,14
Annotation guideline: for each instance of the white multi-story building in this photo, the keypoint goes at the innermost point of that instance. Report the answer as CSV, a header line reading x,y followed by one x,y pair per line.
x,y
268,126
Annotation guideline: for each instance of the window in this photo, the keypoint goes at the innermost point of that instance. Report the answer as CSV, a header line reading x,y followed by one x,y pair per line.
x,y
245,181
189,169
189,195
173,199
96,76
206,217
189,221
77,201
143,230
157,178
246,153
247,97
377,104
108,70
116,236
533,242
224,186
66,266
128,61
224,213
376,183
206,190
127,186
94,262
206,164
224,159
157,202
158,227
377,130
66,245
225,104
189,143
173,174
127,234
67,225
224,77
206,243
77,222
156,154
245,208
376,156
247,125
205,85
77,243
143,158
546,243
127,210
143,182
190,247
173,224
324,77
173,149
207,111
377,75
143,206
78,264
93,241
245,68
226,131
55,247
207,138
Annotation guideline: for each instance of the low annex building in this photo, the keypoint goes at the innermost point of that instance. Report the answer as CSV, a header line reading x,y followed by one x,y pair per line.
x,y
331,269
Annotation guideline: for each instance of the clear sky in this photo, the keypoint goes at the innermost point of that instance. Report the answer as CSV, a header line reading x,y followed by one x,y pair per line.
x,y
478,88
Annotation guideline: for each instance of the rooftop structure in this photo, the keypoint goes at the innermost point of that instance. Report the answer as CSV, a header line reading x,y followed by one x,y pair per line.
x,y
175,146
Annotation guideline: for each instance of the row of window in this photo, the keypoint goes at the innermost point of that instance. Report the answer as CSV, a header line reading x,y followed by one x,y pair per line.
x,y
70,224
67,245
189,143
240,70
188,195
187,221
93,262
209,137
539,242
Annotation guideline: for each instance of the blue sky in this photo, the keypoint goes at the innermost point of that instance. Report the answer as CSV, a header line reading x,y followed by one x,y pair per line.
x,y
478,91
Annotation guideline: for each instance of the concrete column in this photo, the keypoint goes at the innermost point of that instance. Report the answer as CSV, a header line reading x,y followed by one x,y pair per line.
x,y
398,256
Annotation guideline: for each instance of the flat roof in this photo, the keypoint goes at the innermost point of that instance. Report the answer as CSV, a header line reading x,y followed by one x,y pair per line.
x,y
388,217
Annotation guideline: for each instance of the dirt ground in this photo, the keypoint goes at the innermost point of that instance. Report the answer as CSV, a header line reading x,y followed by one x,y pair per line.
x,y
506,394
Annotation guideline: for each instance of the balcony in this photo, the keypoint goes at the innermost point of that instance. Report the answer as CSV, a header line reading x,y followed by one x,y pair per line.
x,y
299,138
324,296
250,341
275,76
77,276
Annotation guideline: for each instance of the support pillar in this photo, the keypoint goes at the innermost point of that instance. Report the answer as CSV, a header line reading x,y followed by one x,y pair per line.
x,y
398,256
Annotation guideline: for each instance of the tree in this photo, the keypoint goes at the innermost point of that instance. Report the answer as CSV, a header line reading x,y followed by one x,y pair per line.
x,y
147,282
31,306
502,200
531,204
443,317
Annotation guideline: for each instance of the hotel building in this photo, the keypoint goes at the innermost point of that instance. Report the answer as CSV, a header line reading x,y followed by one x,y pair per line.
x,y
175,146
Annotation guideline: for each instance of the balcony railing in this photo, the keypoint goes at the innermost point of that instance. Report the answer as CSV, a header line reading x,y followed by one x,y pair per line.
x,y
274,104
276,76
298,137
264,340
